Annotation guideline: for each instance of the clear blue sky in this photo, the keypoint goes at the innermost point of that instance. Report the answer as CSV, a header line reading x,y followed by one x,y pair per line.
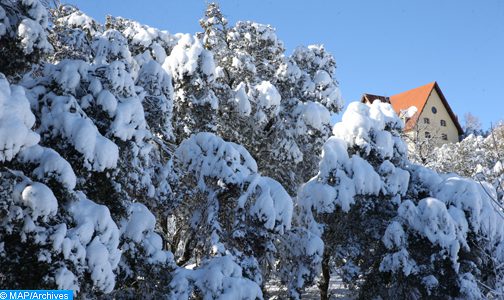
x,y
381,47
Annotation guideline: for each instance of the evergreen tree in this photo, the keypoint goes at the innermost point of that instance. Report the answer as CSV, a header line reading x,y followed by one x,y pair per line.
x,y
23,30
395,229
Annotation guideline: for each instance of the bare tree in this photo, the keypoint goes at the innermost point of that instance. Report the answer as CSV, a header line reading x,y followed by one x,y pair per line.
x,y
472,125
422,140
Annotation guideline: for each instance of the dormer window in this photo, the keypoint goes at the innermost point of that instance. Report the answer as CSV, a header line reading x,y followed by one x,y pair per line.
x,y
434,110
426,120
427,135
443,123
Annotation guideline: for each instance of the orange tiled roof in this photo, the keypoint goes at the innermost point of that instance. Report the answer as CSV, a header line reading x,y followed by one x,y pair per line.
x,y
416,97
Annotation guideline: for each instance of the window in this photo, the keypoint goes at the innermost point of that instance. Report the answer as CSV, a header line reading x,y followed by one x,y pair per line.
x,y
443,123
426,120
427,135
444,137
434,110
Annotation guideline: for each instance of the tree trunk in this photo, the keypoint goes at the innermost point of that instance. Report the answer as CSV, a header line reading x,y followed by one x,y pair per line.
x,y
326,276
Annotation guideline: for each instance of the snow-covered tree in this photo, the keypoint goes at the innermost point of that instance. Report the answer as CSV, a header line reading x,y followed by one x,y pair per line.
x,y
227,207
192,70
52,235
393,229
149,47
72,33
310,96
23,30
143,40
278,108
350,200
477,157
92,113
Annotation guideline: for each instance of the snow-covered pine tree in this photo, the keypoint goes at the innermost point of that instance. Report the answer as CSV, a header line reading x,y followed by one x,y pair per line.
x,y
226,207
310,96
192,70
277,108
91,112
395,229
477,157
149,47
71,33
52,235
347,202
23,35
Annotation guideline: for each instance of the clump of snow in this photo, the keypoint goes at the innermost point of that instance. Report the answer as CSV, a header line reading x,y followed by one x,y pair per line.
x,y
394,236
473,201
268,95
267,99
39,198
143,37
16,120
432,219
409,112
129,121
458,212
314,71
32,31
354,175
396,180
110,46
498,167
102,274
139,227
241,100
99,152
78,19
68,74
158,101
207,155
108,102
399,261
141,220
430,282
99,234
302,253
272,207
469,287
64,116
216,278
363,126
315,114
189,62
36,11
32,36
187,56
50,163
66,280
322,78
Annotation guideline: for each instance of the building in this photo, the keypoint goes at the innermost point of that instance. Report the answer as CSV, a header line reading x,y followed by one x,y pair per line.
x,y
434,122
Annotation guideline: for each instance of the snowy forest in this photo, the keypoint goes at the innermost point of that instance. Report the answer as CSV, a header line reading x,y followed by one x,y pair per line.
x,y
137,163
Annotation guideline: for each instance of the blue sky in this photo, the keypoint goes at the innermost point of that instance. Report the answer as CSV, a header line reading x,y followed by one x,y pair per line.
x,y
381,47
